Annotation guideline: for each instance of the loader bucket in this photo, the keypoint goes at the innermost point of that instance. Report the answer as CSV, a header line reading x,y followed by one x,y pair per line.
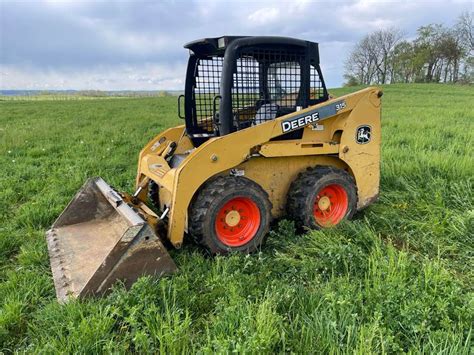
x,y
99,239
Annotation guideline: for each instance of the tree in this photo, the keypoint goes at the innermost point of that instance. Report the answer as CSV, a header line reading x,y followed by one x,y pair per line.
x,y
427,50
437,54
369,61
465,27
350,80
465,31
385,42
403,69
451,52
360,64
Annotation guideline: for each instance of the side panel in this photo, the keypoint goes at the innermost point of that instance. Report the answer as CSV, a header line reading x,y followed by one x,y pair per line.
x,y
275,175
362,154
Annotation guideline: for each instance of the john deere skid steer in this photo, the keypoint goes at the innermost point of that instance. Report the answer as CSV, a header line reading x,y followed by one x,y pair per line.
x,y
262,139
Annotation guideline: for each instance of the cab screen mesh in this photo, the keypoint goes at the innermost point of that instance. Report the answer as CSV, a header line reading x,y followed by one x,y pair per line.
x,y
206,88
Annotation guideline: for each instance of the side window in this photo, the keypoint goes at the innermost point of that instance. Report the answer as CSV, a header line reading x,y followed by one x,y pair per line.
x,y
208,77
266,84
284,83
246,84
316,91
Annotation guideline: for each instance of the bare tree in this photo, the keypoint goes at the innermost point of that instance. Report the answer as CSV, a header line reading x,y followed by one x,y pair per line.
x,y
360,63
369,61
384,42
465,32
465,27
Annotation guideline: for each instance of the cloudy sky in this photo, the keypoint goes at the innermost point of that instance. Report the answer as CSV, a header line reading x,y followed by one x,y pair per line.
x,y
138,45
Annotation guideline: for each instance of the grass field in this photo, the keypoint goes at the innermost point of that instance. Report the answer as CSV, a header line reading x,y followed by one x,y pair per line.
x,y
399,278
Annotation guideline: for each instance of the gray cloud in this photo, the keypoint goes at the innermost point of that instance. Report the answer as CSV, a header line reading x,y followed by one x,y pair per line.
x,y
138,44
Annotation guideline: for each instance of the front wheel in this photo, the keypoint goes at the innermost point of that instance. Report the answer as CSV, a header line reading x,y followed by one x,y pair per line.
x,y
230,214
322,197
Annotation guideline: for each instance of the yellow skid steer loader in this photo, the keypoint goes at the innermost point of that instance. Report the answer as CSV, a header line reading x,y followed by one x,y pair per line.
x,y
262,139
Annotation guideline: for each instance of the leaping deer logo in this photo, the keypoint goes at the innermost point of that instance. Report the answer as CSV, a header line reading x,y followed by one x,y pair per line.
x,y
363,134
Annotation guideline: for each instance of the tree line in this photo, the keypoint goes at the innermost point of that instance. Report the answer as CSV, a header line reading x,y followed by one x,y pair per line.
x,y
438,54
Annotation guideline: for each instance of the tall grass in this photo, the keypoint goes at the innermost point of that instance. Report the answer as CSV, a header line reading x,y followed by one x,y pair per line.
x,y
396,279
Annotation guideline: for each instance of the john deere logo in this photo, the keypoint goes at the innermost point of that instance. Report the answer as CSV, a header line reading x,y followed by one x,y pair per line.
x,y
363,134
312,116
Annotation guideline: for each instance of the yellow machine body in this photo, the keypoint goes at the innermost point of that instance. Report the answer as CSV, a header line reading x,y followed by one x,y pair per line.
x,y
272,164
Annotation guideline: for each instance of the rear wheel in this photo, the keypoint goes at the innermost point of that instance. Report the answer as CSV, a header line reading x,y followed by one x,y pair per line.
x,y
230,214
322,197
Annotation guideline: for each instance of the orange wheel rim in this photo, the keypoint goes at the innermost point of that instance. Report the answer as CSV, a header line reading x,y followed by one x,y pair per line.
x,y
237,221
330,205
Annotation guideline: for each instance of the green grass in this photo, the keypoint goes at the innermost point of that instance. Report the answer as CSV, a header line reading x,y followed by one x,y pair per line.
x,y
399,278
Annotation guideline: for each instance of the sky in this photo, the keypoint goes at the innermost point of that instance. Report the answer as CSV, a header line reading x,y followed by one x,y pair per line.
x,y
138,45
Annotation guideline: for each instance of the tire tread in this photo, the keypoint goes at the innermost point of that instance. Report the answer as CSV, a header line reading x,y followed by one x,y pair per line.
x,y
208,194
302,186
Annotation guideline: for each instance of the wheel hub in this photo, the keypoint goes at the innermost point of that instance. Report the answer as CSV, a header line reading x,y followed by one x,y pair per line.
x,y
232,218
331,205
237,221
324,203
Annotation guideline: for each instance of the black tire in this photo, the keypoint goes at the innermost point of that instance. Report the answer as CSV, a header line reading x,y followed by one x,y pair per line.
x,y
304,194
154,194
211,201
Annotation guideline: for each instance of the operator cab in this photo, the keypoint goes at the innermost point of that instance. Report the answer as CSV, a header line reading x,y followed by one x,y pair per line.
x,y
233,83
